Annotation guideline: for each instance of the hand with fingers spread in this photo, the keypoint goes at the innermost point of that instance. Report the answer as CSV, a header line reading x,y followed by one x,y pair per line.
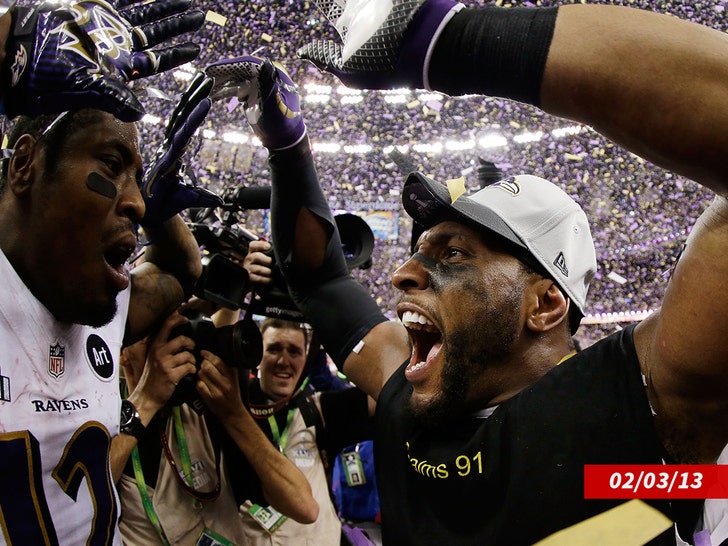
x,y
85,54
164,190
394,54
167,362
269,96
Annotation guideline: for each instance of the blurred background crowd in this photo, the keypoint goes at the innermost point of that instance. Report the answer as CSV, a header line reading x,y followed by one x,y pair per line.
x,y
366,142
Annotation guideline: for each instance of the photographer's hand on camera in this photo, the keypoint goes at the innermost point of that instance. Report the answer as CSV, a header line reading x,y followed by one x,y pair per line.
x,y
219,388
168,361
259,262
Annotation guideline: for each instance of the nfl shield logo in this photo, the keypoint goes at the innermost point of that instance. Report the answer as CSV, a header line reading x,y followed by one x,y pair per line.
x,y
57,360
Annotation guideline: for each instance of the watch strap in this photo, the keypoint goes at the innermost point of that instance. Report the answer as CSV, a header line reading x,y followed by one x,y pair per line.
x,y
133,425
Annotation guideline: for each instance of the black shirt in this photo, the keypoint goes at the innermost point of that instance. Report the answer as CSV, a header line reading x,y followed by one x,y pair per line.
x,y
517,476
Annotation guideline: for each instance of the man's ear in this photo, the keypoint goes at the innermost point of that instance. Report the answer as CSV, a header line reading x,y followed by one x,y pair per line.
x,y
21,165
551,307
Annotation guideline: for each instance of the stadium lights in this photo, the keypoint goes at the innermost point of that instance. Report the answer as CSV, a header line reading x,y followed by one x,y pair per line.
x,y
151,119
527,137
342,90
493,141
358,149
235,137
456,145
434,148
395,99
429,97
317,89
561,132
621,316
326,147
317,98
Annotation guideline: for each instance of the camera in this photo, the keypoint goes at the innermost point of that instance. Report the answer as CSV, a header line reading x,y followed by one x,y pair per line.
x,y
218,230
226,283
239,345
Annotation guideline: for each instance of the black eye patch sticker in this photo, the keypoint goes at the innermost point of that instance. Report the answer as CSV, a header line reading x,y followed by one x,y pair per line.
x,y
101,185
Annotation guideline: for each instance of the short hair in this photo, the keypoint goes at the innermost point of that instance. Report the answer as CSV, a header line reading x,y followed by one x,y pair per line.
x,y
282,324
51,129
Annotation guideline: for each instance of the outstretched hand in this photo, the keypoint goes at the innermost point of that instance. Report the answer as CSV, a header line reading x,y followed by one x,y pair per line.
x,y
164,190
385,44
83,55
269,96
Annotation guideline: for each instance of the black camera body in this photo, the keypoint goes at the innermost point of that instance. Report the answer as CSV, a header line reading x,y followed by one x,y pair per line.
x,y
226,283
239,345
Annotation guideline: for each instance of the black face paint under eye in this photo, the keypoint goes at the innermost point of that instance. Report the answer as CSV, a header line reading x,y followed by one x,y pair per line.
x,y
428,262
99,184
444,275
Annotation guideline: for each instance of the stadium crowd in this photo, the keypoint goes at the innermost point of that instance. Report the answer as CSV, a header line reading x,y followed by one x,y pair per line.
x,y
633,267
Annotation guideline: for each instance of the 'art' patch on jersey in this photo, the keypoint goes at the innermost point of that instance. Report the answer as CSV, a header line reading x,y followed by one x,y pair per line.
x,y
56,360
99,357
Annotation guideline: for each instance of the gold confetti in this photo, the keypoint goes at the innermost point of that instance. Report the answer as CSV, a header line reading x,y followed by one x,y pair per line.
x,y
456,186
216,18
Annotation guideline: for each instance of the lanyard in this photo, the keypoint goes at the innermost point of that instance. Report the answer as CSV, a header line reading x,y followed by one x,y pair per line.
x,y
281,439
184,455
186,468
146,501
184,452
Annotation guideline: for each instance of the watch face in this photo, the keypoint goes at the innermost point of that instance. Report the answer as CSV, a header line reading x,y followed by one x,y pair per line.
x,y
127,412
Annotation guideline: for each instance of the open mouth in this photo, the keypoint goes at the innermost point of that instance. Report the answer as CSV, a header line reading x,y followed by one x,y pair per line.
x,y
426,343
118,255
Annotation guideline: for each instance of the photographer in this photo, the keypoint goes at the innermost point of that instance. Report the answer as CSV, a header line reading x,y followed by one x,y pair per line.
x,y
308,427
176,487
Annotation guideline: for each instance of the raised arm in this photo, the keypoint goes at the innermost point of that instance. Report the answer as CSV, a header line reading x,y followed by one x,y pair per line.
x,y
172,260
652,83
305,237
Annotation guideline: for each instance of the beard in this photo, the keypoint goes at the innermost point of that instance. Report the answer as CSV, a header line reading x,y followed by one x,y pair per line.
x,y
89,313
469,351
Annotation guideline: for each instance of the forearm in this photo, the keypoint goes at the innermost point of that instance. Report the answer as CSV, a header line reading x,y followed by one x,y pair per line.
x,y
651,82
284,486
123,444
175,251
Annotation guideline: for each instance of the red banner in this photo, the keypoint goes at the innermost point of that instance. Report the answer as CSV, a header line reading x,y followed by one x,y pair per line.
x,y
687,481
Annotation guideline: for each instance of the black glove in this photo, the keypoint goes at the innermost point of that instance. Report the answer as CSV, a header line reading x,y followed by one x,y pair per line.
x,y
163,188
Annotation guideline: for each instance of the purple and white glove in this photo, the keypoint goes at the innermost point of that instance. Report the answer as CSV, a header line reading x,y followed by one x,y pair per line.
x,y
269,96
396,53
83,55
164,190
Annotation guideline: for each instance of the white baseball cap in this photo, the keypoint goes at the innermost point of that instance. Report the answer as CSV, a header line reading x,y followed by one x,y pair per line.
x,y
533,214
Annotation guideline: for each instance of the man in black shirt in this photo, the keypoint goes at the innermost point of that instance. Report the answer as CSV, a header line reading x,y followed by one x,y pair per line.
x,y
481,438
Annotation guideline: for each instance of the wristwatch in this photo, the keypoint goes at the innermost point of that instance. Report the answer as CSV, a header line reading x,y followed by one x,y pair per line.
x,y
131,422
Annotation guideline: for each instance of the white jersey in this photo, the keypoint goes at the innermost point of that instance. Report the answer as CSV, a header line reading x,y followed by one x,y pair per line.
x,y
59,409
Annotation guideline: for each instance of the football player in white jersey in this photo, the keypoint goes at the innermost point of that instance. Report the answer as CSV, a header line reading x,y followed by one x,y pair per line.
x,y
71,196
